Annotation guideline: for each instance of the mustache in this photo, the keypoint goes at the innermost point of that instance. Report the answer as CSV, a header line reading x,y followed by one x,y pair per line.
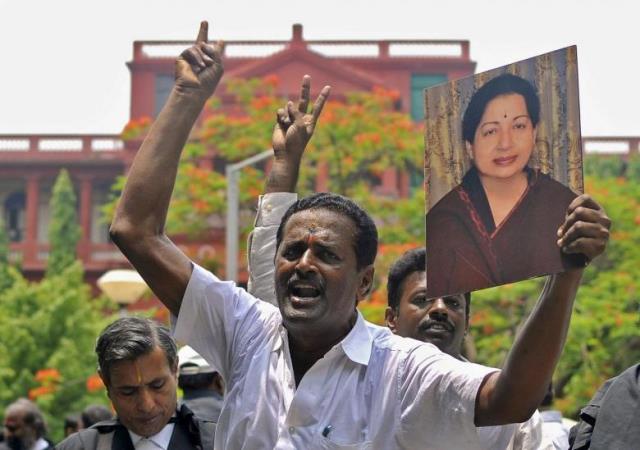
x,y
311,279
425,325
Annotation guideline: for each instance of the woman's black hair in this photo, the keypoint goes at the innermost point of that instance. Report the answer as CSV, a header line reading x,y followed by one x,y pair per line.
x,y
501,85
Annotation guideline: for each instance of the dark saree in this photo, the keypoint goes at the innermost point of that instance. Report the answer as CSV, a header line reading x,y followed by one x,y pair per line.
x,y
467,252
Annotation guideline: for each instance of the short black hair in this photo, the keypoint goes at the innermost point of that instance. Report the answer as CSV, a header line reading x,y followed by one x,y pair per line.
x,y
414,260
128,338
32,417
501,85
366,242
71,423
94,414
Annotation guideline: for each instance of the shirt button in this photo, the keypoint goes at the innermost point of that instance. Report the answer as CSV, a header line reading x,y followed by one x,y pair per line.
x,y
292,430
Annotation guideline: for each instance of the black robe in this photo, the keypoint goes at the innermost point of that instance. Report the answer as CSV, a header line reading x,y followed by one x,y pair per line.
x,y
189,432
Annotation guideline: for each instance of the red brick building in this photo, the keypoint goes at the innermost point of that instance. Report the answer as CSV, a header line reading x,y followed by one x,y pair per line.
x,y
30,163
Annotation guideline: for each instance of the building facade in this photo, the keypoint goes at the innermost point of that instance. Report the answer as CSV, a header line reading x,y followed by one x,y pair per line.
x,y
30,163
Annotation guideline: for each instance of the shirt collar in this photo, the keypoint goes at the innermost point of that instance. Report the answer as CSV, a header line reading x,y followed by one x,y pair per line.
x,y
551,416
161,439
357,344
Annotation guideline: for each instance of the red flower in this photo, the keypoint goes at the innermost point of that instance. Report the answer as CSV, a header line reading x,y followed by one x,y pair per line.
x,y
47,375
94,383
40,391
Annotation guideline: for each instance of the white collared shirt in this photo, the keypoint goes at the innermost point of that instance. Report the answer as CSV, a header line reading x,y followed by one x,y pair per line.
x,y
372,390
262,249
157,441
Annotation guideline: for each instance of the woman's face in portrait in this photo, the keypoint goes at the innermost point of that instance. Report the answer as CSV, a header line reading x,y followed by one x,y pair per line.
x,y
504,139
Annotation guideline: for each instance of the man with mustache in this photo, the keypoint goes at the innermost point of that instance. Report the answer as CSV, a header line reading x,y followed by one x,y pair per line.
x,y
313,373
444,322
138,364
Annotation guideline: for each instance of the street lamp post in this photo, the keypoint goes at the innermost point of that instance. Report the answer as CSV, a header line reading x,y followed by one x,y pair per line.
x,y
233,207
123,287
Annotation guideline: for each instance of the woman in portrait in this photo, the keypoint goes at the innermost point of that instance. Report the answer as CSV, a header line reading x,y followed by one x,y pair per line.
x,y
500,224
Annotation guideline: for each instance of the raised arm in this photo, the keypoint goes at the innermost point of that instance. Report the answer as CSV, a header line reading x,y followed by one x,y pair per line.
x,y
291,134
138,227
513,394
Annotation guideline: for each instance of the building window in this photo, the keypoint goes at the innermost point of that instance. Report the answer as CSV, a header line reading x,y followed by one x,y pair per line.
x,y
164,84
14,214
419,82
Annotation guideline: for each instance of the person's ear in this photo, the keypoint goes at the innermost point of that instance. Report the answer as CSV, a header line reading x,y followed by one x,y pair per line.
x,y
469,148
391,319
366,282
535,133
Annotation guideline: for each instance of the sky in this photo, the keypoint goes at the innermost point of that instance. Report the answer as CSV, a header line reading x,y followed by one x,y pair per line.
x,y
63,62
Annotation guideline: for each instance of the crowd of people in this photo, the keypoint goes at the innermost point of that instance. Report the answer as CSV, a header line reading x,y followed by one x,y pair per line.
x,y
291,363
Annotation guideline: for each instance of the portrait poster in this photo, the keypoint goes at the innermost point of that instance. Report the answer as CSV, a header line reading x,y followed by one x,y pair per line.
x,y
503,161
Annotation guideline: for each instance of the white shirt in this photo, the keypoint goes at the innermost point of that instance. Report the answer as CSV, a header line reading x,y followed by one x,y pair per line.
x,y
157,441
40,444
262,244
372,390
262,249
554,430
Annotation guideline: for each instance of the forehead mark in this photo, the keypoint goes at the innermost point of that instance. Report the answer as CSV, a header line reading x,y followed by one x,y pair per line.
x,y
138,374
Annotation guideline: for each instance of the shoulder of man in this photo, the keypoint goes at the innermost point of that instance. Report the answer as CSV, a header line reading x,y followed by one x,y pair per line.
x,y
87,439
199,429
581,434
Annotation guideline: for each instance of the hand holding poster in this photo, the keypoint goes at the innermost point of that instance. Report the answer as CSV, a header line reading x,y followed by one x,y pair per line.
x,y
502,164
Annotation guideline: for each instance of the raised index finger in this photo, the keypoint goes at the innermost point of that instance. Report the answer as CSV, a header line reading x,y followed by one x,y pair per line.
x,y
203,33
303,102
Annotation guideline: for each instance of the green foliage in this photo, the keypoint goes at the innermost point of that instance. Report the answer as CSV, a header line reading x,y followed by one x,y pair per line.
x,y
64,230
50,327
604,166
355,141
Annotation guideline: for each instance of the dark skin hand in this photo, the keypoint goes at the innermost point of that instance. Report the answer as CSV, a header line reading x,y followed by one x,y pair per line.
x,y
138,225
513,394
291,134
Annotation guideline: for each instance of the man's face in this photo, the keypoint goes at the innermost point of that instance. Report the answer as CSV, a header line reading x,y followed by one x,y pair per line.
x,y
317,280
143,392
18,434
440,321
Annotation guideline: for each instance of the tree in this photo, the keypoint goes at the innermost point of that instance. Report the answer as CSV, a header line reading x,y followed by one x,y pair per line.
x,y
48,328
356,140
64,230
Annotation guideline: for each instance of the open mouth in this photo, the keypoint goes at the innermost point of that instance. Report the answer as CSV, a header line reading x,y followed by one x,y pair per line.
x,y
303,293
